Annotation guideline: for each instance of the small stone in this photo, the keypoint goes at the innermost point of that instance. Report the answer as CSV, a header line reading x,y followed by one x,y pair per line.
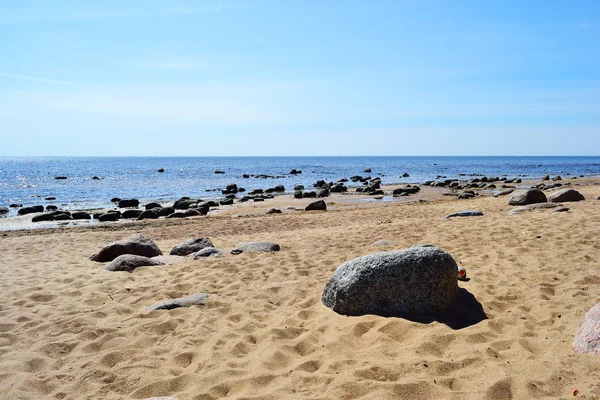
x,y
193,300
467,213
191,246
317,206
129,262
206,252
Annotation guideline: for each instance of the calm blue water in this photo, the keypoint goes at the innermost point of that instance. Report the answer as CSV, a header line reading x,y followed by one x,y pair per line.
x,y
28,180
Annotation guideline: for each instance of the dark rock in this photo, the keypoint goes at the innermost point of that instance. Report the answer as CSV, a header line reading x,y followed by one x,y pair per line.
x,y
50,198
131,214
367,170
587,340
226,202
206,252
115,200
109,217
160,170
466,196
184,204
298,194
42,217
558,210
309,195
339,189
62,216
95,178
129,203
299,187
418,280
257,199
316,206
150,206
163,212
557,178
149,214
295,172
377,193
274,211
193,300
60,177
3,210
323,193
135,244
565,195
524,197
31,210
405,175
546,177
467,213
16,205
177,215
81,215
219,172
191,246
51,208
256,246
129,262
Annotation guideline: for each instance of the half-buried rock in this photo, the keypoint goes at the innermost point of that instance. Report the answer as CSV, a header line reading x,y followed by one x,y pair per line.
x,y
524,197
135,244
565,195
268,247
191,246
193,300
316,206
129,262
418,280
587,340
206,252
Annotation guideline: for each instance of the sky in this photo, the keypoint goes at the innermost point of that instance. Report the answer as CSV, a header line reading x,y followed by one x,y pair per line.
x,y
299,77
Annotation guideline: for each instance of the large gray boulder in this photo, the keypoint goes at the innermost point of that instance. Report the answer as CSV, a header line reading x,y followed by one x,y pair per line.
x,y
135,244
191,246
129,262
587,340
255,246
193,300
418,280
524,197
565,195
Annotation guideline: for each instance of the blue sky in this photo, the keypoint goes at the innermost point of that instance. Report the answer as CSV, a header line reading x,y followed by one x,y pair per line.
x,y
299,77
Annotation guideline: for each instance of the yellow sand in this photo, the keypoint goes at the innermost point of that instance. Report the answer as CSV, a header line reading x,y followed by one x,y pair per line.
x,y
71,330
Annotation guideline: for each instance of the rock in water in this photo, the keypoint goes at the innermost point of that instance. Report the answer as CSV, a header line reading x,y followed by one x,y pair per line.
x,y
191,246
206,252
565,195
317,206
467,213
256,246
129,262
193,300
587,340
524,197
418,280
135,244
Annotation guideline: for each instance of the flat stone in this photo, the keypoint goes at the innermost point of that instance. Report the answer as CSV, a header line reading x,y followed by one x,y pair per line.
x,y
255,246
558,210
206,252
129,262
587,340
193,300
533,207
466,213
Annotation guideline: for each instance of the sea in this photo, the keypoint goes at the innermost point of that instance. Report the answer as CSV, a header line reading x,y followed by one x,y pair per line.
x,y
31,180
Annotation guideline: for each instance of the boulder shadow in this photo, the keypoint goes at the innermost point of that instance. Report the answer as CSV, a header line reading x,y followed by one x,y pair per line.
x,y
465,311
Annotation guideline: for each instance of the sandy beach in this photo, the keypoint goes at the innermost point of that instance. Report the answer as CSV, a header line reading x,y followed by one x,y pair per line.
x,y
71,330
